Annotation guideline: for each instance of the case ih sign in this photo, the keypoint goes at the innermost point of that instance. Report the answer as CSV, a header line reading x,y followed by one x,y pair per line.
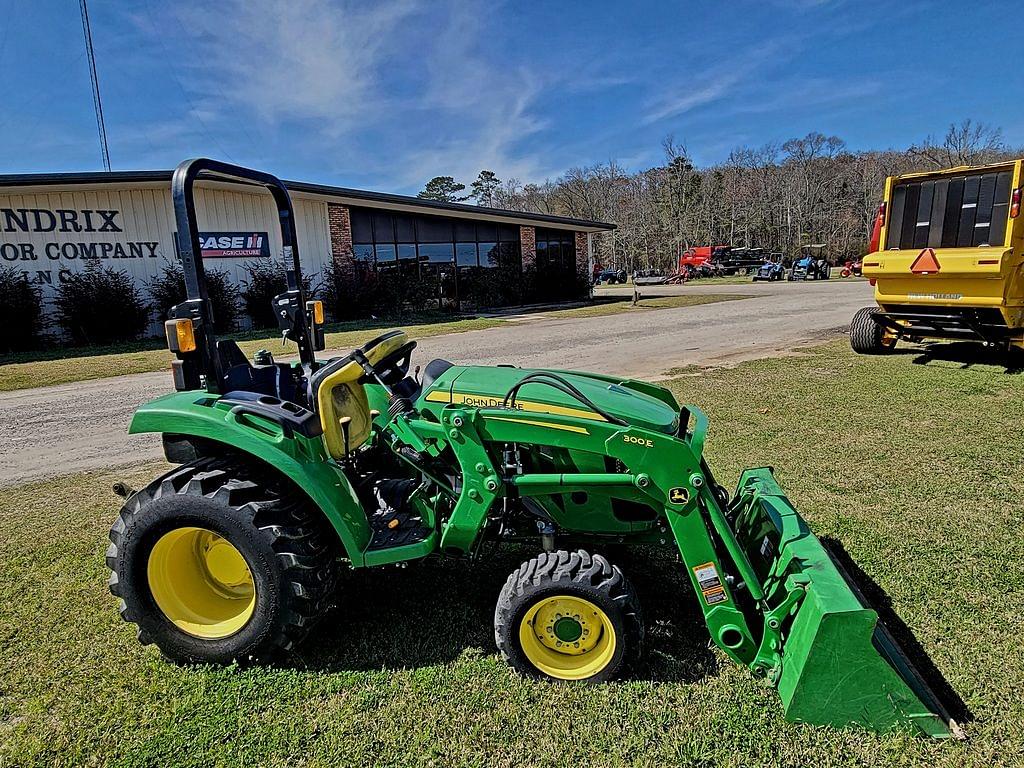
x,y
234,245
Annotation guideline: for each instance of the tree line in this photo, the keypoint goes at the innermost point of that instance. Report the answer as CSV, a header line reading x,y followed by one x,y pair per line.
x,y
779,196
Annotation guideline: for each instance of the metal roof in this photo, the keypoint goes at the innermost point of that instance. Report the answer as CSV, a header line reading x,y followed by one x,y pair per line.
x,y
372,199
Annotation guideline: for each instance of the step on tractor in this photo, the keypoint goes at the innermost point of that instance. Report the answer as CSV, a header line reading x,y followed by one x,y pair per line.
x,y
812,264
946,260
287,474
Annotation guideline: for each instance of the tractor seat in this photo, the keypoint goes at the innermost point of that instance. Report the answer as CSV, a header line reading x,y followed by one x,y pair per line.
x,y
435,368
239,375
336,391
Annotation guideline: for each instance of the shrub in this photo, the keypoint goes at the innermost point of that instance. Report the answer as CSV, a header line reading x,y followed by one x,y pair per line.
x,y
168,289
266,280
365,292
101,305
21,312
498,286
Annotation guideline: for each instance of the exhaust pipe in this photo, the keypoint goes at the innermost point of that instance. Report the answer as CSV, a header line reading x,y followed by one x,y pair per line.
x,y
122,489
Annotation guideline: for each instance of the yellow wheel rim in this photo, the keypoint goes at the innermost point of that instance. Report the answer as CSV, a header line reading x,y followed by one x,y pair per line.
x,y
567,637
201,582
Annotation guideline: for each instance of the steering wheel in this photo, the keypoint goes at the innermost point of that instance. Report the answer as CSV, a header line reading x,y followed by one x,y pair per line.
x,y
394,367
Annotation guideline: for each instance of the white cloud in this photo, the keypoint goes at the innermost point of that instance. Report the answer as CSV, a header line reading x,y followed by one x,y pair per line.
x,y
484,111
295,59
698,89
349,79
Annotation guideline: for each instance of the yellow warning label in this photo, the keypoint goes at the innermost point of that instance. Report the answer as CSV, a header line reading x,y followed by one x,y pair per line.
x,y
709,583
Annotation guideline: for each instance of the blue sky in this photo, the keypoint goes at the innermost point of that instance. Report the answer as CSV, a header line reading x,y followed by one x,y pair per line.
x,y
386,94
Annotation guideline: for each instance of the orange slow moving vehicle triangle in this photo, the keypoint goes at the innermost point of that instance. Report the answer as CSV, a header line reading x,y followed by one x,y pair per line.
x,y
925,263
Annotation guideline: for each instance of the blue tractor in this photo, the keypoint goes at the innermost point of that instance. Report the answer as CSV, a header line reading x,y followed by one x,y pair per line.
x,y
771,270
812,264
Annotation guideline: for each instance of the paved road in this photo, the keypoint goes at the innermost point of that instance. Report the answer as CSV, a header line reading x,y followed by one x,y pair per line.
x,y
73,427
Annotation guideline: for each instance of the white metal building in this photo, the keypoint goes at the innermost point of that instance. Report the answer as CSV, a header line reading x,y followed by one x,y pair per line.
x,y
52,225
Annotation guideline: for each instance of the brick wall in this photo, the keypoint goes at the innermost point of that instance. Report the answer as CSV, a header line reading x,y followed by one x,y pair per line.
x,y
528,243
340,223
582,256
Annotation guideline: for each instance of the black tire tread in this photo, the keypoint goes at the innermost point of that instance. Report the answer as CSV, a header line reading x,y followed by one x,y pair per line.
x,y
285,518
576,567
867,336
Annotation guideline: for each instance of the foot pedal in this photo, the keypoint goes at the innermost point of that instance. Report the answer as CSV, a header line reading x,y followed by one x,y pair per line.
x,y
395,522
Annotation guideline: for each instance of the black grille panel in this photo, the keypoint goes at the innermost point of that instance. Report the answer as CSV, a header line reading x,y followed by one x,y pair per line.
x,y
984,315
955,211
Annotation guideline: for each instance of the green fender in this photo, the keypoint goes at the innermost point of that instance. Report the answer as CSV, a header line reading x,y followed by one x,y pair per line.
x,y
299,458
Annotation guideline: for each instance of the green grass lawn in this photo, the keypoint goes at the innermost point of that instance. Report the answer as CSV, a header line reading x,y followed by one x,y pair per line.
x,y
916,469
58,367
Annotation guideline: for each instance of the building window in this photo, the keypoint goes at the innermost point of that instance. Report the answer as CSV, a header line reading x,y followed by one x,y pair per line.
x,y
465,254
436,253
363,253
486,256
490,255
556,264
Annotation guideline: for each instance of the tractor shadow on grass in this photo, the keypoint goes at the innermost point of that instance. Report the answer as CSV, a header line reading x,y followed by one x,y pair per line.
x,y
967,355
438,611
877,599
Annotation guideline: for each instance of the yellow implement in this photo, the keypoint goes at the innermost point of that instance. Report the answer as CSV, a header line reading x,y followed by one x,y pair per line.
x,y
947,260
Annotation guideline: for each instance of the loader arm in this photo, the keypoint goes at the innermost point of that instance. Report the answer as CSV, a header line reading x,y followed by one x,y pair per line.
x,y
770,594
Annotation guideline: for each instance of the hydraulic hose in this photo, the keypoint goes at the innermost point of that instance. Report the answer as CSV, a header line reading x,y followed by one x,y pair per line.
x,y
557,382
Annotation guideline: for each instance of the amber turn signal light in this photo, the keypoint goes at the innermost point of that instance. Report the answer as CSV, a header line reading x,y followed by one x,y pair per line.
x,y
181,335
316,311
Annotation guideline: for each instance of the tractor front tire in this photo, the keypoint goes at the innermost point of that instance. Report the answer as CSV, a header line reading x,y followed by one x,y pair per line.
x,y
868,337
569,616
221,561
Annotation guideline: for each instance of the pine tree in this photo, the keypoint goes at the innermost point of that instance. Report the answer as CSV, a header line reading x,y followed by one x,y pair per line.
x,y
485,187
443,188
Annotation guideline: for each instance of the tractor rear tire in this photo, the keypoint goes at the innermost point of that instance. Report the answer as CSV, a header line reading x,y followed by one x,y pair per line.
x,y
222,561
569,616
868,337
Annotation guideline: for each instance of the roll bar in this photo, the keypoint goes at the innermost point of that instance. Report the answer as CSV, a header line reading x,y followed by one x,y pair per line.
x,y
289,307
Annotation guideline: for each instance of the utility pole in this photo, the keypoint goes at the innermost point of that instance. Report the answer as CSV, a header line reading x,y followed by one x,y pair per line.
x,y
96,102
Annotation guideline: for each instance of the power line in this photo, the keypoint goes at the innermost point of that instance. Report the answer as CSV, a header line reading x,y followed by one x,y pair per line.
x,y
96,102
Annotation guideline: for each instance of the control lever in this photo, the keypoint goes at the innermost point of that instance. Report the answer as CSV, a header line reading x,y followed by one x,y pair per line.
x,y
345,422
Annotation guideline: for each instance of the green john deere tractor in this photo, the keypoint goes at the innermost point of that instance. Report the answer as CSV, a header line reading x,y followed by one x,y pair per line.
x,y
288,472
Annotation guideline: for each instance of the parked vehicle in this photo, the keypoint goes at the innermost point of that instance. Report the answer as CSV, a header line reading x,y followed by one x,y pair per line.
x,y
947,260
612,276
812,264
852,268
287,474
700,255
771,270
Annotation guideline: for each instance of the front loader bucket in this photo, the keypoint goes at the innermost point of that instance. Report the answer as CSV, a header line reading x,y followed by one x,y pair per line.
x,y
839,664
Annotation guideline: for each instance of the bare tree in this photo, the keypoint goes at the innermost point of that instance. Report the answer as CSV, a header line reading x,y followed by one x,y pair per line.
x,y
969,143
778,196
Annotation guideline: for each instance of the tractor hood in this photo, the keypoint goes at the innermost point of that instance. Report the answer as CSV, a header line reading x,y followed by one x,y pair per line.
x,y
635,402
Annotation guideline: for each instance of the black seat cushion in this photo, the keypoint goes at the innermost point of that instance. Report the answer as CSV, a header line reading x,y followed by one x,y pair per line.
x,y
239,374
434,369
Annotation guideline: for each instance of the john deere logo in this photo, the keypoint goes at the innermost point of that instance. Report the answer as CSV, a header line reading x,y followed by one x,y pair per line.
x,y
678,495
